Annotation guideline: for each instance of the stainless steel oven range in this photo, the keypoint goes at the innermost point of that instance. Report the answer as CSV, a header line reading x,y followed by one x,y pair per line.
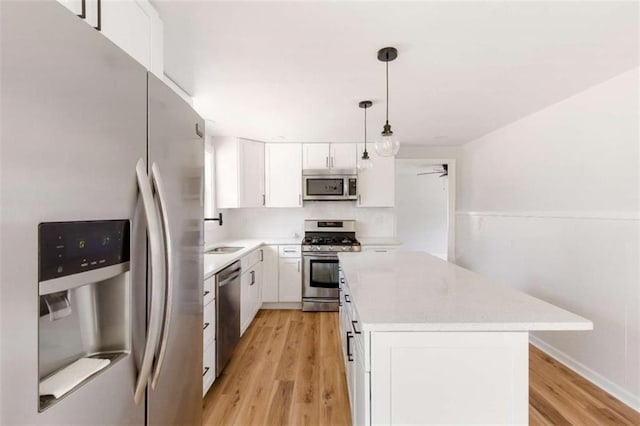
x,y
323,239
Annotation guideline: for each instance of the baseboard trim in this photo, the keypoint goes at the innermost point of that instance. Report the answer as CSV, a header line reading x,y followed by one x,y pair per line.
x,y
282,305
603,383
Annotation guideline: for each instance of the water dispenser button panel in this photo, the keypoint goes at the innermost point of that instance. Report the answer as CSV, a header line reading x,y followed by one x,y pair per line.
x,y
67,248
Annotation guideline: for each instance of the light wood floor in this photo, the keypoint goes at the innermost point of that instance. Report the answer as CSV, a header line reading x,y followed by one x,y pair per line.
x,y
288,369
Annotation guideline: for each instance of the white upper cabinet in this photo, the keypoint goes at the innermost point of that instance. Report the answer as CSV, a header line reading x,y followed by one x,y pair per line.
x,y
343,156
73,5
252,172
239,173
376,186
329,156
315,155
283,175
133,25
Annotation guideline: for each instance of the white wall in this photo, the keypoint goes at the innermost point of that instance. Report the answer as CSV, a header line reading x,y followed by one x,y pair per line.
x,y
550,205
289,222
421,208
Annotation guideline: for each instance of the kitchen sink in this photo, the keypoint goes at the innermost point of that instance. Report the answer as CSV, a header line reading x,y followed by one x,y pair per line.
x,y
223,250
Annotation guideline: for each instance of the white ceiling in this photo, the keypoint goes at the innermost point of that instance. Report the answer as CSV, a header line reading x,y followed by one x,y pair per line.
x,y
295,71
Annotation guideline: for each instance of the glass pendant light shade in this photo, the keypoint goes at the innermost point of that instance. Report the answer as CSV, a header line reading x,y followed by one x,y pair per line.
x,y
365,163
388,145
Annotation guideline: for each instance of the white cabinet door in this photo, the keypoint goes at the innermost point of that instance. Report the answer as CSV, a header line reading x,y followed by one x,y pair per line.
x,y
256,290
239,171
283,174
226,170
290,279
208,367
245,301
315,155
426,377
270,274
126,24
360,407
73,5
252,173
376,186
86,10
343,156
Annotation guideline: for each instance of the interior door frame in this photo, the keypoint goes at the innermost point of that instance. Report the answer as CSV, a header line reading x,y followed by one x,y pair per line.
x,y
451,198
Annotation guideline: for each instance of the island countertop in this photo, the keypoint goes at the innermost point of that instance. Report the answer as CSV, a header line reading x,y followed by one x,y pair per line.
x,y
414,291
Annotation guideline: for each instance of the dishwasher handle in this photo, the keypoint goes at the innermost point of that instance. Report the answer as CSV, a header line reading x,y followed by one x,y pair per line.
x,y
228,279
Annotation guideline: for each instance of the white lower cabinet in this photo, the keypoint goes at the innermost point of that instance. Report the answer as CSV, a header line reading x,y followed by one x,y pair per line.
x,y
208,368
290,279
433,377
208,335
270,274
361,384
282,276
250,288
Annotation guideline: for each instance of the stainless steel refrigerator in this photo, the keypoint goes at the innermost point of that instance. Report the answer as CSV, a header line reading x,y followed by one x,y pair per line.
x,y
101,214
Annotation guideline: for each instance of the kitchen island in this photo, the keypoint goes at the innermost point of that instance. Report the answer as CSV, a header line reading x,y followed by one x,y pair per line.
x,y
428,342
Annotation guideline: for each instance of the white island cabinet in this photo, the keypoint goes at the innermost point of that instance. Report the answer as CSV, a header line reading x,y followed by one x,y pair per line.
x,y
428,342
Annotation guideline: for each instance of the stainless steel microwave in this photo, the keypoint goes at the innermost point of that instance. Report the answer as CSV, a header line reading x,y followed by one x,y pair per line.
x,y
329,185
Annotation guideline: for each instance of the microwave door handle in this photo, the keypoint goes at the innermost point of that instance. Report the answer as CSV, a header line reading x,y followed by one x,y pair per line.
x,y
156,179
155,259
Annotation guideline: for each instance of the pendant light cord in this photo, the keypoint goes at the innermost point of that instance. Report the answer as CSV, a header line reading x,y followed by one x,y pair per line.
x,y
387,88
365,129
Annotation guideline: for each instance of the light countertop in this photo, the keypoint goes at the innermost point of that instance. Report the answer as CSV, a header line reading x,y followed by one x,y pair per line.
x,y
214,263
414,291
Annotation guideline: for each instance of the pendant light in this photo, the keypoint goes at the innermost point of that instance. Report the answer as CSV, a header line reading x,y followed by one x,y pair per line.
x,y
388,144
365,162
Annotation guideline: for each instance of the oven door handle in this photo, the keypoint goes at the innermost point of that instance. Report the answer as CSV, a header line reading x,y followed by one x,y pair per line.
x,y
321,255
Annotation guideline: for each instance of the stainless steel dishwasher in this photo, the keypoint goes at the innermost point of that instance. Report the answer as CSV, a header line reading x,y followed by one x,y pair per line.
x,y
227,314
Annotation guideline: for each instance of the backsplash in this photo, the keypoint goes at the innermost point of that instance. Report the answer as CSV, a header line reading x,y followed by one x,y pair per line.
x,y
289,222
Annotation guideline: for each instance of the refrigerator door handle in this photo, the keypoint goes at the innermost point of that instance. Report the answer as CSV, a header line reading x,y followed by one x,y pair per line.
x,y
155,255
156,180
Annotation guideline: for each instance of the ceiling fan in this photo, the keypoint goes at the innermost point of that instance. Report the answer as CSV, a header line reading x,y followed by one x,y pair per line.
x,y
444,171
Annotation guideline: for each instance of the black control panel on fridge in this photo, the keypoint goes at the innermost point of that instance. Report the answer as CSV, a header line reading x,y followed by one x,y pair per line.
x,y
66,248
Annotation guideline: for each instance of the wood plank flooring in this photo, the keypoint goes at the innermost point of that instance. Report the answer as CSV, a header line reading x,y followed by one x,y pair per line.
x,y
288,370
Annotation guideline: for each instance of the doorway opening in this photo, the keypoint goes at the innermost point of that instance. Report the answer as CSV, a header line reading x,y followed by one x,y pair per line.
x,y
425,205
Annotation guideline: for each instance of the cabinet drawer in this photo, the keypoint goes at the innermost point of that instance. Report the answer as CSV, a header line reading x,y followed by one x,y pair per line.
x,y
208,367
209,324
251,259
209,290
290,251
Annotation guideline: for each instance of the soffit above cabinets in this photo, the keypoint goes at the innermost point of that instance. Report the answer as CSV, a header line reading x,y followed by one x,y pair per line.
x,y
292,71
